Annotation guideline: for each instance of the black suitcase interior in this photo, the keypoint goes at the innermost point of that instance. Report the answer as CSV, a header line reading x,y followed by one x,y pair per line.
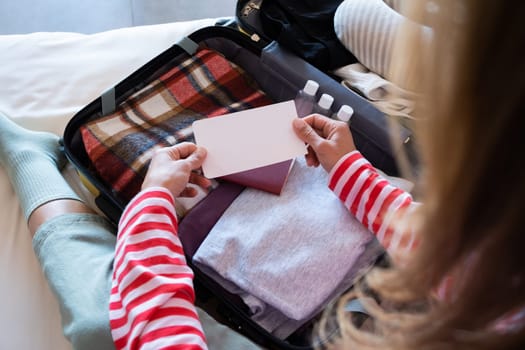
x,y
280,75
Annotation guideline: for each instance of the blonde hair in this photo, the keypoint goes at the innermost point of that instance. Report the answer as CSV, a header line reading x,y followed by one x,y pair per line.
x,y
472,222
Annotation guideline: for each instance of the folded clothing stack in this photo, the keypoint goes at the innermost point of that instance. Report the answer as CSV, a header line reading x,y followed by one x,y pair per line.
x,y
293,254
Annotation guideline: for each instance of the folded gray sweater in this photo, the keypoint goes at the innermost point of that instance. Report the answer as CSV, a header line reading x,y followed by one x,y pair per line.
x,y
287,256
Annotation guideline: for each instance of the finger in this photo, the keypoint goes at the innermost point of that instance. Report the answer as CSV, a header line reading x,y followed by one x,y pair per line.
x,y
323,125
196,158
311,158
181,150
200,180
188,192
305,132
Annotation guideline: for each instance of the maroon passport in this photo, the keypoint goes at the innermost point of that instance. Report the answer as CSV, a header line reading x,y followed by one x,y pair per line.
x,y
270,178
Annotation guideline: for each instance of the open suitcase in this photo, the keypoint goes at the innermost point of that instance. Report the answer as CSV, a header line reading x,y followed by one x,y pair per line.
x,y
280,74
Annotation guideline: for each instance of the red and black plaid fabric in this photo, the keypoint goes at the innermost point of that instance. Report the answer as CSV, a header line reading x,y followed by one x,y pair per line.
x,y
120,145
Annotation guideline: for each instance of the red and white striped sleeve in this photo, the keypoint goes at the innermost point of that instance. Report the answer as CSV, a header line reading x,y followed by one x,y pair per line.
x,y
152,296
373,201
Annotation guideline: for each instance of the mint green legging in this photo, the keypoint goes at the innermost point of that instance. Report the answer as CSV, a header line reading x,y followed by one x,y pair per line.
x,y
76,254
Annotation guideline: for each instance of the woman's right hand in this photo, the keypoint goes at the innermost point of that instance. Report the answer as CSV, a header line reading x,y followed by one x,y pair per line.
x,y
328,140
174,167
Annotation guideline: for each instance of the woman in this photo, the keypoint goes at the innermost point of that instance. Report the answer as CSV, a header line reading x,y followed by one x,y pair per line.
x,y
465,241
462,248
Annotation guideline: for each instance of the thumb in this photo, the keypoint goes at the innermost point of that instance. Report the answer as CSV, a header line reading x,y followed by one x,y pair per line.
x,y
197,157
305,132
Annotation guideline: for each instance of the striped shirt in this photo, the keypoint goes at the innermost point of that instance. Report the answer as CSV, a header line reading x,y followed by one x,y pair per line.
x,y
374,202
152,296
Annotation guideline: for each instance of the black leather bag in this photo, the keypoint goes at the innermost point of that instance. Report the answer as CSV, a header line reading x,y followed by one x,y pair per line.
x,y
305,27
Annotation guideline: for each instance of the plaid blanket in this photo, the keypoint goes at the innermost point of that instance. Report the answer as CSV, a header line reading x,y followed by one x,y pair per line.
x,y
120,145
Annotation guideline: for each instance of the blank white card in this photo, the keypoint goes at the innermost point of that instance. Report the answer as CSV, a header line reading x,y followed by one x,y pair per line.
x,y
249,139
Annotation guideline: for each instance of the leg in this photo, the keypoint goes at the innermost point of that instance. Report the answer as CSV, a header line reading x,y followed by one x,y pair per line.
x,y
33,161
76,254
49,210
74,246
368,28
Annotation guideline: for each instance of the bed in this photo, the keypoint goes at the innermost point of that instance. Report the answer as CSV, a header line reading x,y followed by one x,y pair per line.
x,y
45,79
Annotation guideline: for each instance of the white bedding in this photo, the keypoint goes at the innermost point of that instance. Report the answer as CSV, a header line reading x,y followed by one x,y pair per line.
x,y
45,78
